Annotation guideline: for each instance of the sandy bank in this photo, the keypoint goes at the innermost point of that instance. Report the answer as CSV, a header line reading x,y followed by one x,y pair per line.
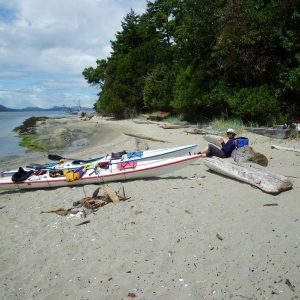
x,y
162,243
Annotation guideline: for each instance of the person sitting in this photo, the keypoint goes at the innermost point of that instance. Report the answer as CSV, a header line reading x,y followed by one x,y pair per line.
x,y
226,149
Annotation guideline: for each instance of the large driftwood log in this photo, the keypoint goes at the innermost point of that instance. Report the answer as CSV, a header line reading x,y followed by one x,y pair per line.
x,y
247,154
266,181
284,148
277,133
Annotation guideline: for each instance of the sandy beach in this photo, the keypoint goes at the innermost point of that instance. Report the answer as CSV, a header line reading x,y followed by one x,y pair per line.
x,y
192,234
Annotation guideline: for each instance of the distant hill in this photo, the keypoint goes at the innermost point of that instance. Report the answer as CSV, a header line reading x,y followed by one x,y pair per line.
x,y
4,108
54,108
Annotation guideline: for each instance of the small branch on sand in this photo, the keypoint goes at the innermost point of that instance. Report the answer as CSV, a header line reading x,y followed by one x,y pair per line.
x,y
143,137
219,237
84,222
61,212
284,148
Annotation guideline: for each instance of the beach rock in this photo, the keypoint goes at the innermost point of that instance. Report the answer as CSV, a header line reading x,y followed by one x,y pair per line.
x,y
247,154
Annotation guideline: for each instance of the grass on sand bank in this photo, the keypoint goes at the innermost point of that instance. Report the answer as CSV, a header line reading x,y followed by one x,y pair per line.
x,y
222,125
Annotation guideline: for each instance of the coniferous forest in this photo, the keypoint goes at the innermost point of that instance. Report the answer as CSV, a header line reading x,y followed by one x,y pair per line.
x,y
204,59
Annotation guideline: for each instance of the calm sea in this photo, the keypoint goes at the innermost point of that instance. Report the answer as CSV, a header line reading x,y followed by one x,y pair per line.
x,y
9,143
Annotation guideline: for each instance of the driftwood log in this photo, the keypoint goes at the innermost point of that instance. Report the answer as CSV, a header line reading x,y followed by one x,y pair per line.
x,y
144,137
213,139
278,133
195,131
284,148
174,126
247,154
111,194
146,122
266,181
158,115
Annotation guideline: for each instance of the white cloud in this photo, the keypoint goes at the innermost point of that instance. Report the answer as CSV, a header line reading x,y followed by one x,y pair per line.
x,y
45,30
42,39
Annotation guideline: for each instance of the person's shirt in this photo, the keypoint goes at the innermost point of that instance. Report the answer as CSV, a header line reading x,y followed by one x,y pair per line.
x,y
229,146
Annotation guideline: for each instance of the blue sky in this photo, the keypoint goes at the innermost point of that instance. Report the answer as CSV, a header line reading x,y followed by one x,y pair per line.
x,y
45,45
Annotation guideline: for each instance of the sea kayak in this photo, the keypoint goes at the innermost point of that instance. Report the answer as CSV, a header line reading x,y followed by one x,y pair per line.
x,y
113,158
116,172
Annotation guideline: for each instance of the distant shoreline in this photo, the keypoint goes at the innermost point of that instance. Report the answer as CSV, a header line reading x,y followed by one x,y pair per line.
x,y
39,109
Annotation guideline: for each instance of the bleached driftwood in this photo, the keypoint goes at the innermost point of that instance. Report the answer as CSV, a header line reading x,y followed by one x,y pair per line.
x,y
278,133
174,126
143,137
146,122
284,148
247,154
111,194
213,139
266,181
195,131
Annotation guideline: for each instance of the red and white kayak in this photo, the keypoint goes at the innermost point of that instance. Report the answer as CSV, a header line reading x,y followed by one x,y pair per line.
x,y
116,172
126,156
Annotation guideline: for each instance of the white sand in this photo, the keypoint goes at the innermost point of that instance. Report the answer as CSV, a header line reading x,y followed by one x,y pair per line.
x,y
162,243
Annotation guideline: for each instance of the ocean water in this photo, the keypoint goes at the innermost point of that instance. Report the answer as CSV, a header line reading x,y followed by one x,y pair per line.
x,y
9,143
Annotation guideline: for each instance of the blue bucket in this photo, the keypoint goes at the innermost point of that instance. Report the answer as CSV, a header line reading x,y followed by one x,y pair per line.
x,y
241,142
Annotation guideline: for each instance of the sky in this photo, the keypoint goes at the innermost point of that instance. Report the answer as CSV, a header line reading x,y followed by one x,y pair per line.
x,y
46,44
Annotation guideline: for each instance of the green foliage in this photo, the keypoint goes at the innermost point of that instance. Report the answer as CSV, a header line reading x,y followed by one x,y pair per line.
x,y
194,97
204,59
97,75
159,88
254,104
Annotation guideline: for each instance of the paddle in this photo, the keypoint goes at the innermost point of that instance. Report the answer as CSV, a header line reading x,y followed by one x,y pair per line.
x,y
58,157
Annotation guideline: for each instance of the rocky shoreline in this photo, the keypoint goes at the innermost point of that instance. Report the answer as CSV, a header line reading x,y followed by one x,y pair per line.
x,y
54,134
71,135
